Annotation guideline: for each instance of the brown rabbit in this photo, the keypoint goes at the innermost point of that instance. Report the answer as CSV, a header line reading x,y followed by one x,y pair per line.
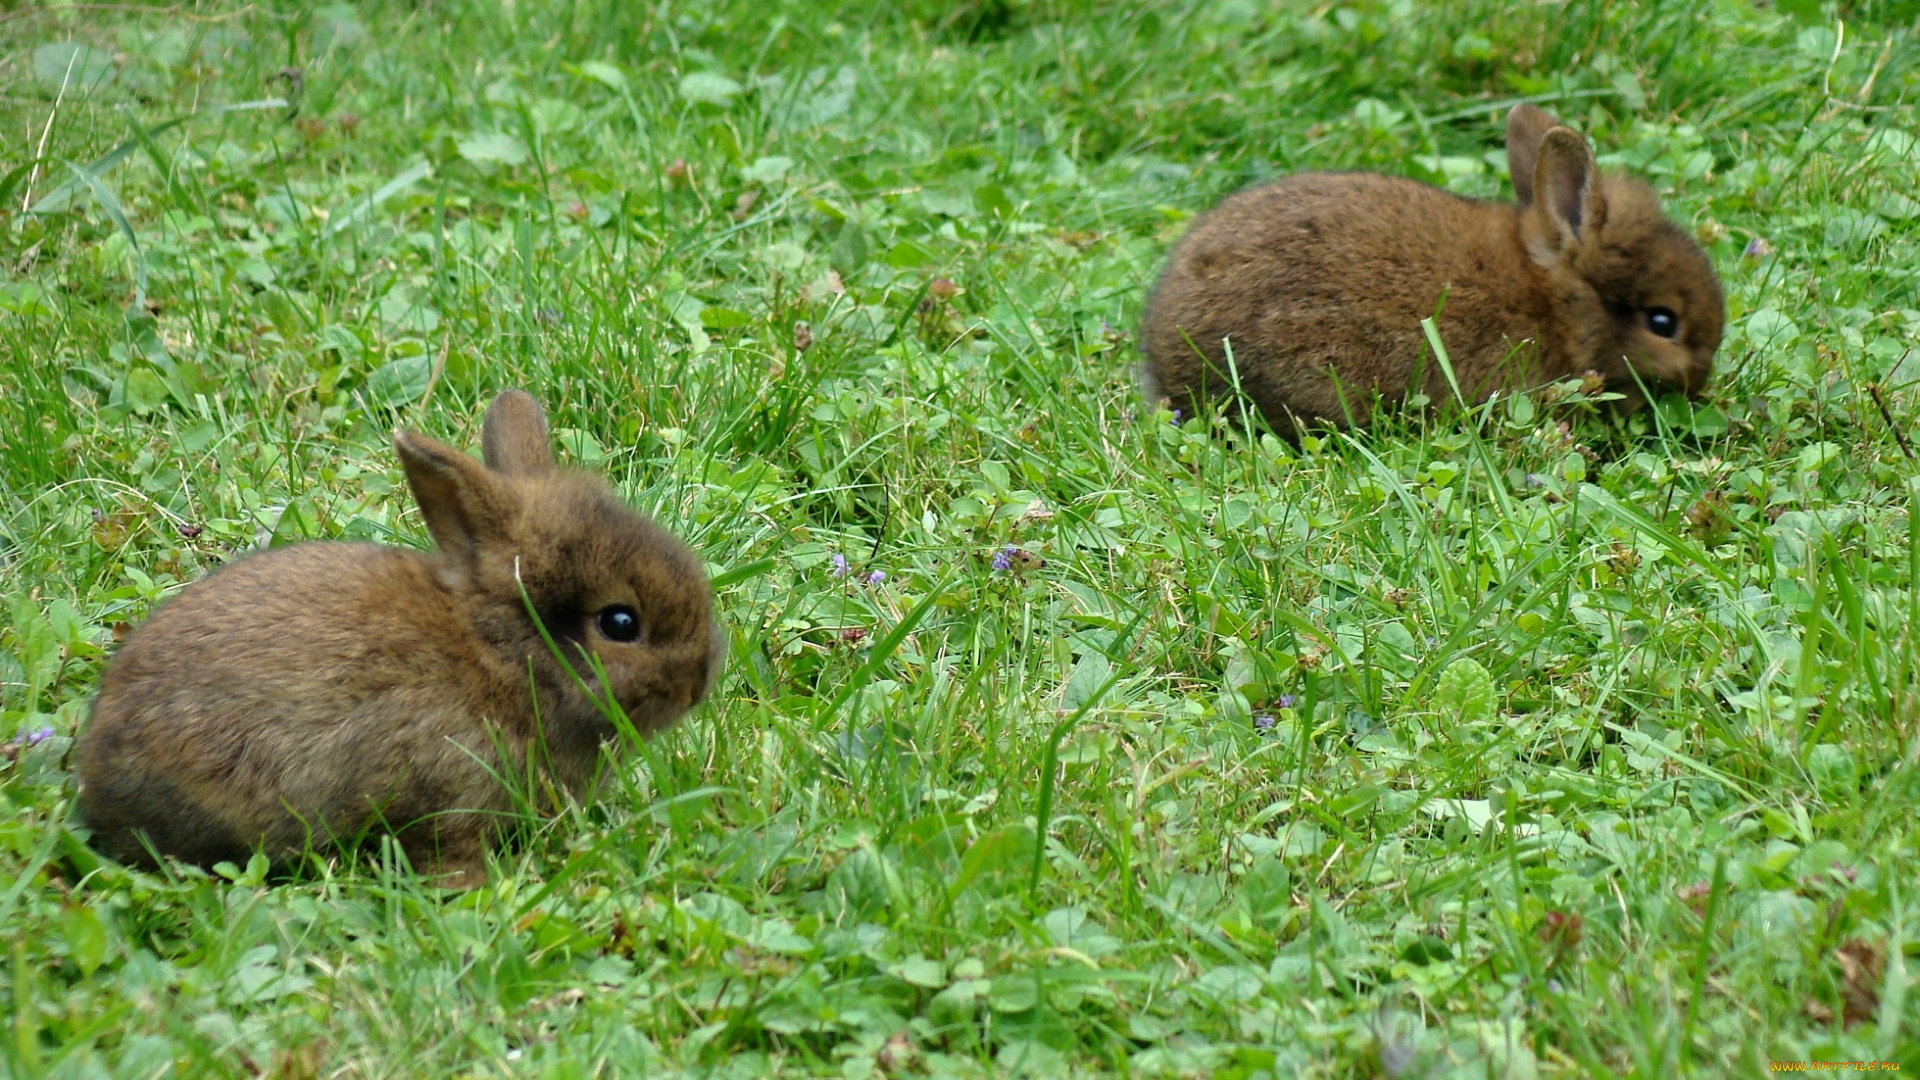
x,y
1320,280
304,695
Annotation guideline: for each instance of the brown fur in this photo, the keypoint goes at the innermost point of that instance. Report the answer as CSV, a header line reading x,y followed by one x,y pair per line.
x,y
309,694
1332,272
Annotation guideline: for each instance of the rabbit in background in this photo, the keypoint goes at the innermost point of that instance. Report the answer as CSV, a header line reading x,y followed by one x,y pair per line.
x,y
308,694
1319,281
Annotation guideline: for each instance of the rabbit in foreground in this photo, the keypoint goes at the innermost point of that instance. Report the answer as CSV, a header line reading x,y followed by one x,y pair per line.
x,y
310,693
1320,280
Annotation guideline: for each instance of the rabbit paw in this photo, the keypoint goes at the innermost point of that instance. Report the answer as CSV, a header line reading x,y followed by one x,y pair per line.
x,y
452,859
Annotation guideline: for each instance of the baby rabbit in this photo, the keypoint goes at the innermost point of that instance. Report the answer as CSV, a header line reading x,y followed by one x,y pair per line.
x,y
1320,280
309,693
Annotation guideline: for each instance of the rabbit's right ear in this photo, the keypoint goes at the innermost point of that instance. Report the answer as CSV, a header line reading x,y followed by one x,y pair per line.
x,y
1563,187
514,436
463,502
1526,126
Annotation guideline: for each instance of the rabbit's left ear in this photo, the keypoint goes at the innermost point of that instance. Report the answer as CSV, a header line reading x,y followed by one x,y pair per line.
x,y
514,436
1563,187
463,502
1526,126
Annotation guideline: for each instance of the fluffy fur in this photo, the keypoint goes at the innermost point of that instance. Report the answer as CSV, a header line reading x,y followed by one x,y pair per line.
x,y
309,694
1320,280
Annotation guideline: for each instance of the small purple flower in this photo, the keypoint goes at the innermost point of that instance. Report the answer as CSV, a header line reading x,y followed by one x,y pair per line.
x,y
840,565
1534,479
1263,723
1758,248
26,739
876,577
1003,559
1176,416
1286,701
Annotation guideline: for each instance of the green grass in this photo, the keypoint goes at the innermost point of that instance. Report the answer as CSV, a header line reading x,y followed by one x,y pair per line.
x,y
1523,743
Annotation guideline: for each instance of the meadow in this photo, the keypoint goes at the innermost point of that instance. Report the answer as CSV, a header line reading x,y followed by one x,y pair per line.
x,y
1063,735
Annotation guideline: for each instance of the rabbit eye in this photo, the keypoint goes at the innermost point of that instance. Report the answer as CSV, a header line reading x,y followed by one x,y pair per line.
x,y
620,623
1663,322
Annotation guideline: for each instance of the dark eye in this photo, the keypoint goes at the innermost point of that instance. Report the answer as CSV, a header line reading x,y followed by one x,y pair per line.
x,y
1663,322
620,623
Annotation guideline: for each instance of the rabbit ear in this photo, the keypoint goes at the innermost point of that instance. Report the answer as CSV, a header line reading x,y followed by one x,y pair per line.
x,y
1563,185
1526,126
514,436
463,502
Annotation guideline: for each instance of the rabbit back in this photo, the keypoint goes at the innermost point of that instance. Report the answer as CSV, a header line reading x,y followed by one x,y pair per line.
x,y
1319,281
350,695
